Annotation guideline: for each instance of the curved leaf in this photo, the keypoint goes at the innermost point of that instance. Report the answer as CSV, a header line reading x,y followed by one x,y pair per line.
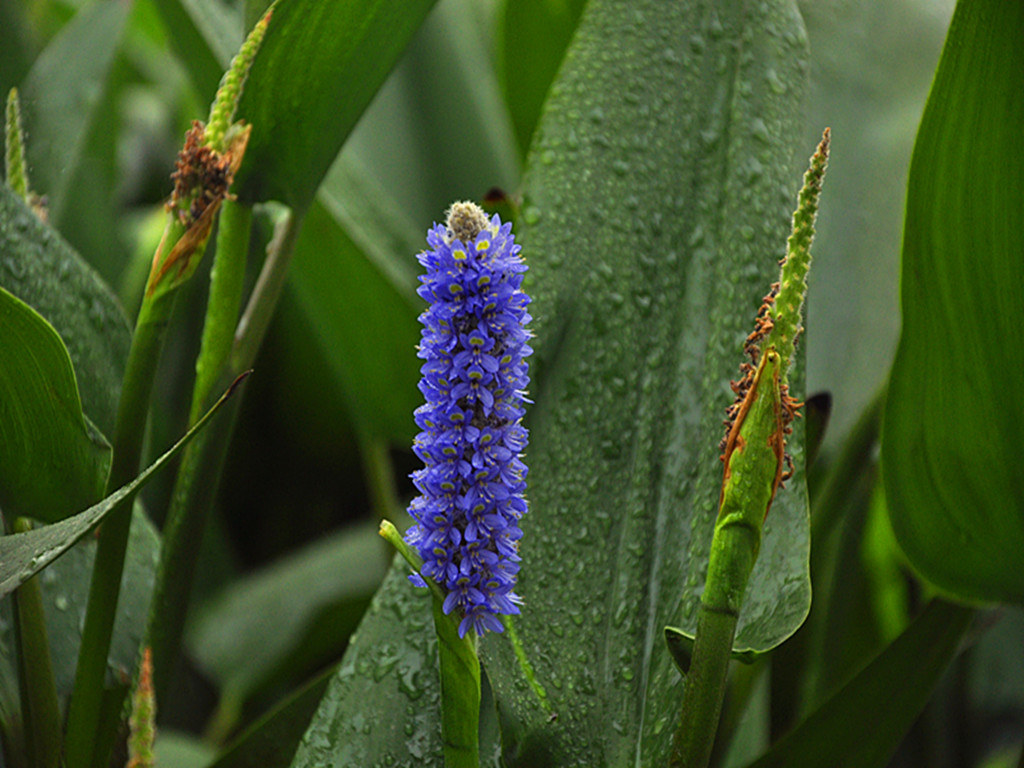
x,y
385,699
954,428
318,68
38,267
534,37
65,587
871,704
360,302
52,461
23,555
236,645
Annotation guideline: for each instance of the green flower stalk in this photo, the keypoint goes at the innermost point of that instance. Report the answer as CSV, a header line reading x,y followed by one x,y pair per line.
x,y
14,146
14,156
142,722
756,466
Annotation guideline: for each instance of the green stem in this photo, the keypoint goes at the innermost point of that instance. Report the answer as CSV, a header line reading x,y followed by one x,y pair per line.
x,y
733,553
263,301
227,279
459,668
41,711
129,431
227,351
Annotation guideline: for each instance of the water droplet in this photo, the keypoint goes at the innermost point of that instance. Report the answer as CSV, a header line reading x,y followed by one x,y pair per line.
x,y
60,602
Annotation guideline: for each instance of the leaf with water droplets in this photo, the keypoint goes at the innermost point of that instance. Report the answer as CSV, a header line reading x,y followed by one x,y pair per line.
x,y
651,240
42,270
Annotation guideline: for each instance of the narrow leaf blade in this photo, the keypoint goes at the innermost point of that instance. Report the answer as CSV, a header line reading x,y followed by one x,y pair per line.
x,y
22,555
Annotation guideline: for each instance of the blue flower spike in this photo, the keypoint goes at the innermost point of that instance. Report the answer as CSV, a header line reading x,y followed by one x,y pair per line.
x,y
473,482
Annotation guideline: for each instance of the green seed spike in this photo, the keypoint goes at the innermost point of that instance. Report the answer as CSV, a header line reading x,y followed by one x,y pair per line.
x,y
222,113
17,177
142,722
786,312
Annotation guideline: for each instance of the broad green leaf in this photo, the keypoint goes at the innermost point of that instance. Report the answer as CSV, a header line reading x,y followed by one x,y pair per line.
x,y
38,267
872,704
317,70
656,205
359,300
64,97
534,37
954,427
52,460
23,555
657,201
316,598
384,700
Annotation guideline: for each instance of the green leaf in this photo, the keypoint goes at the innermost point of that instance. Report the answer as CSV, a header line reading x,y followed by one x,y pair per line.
x,y
534,37
954,428
654,218
22,555
38,267
652,204
316,598
272,740
318,68
872,704
64,97
204,39
360,299
385,698
52,460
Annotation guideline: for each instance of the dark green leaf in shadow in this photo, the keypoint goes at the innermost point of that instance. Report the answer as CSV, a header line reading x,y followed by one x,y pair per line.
x,y
428,159
872,704
22,555
318,68
360,301
52,460
953,426
238,647
63,96
533,35
38,267
272,740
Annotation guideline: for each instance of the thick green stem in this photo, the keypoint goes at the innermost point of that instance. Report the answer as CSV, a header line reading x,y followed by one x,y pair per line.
x,y
227,351
129,431
459,667
732,559
40,709
227,278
